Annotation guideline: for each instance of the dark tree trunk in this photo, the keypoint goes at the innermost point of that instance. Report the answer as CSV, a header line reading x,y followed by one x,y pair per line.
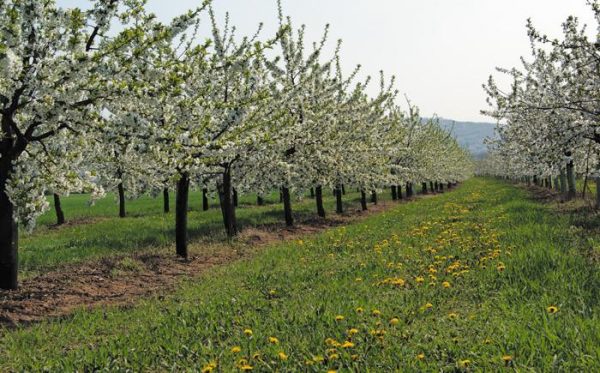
x,y
556,185
399,190
181,215
394,193
363,200
227,204
449,185
374,197
339,207
8,232
319,199
205,199
431,188
409,190
235,198
166,207
571,188
121,200
343,189
260,201
436,187
287,206
60,215
441,187
424,188
312,192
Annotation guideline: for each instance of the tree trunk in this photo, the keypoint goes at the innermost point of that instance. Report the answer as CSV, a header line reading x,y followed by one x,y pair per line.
x,y
374,197
287,206
319,199
121,200
431,187
597,192
8,232
227,204
312,192
571,187
441,187
556,185
260,201
424,188
399,190
363,200
166,207
449,185
394,193
409,191
339,207
60,215
235,198
205,199
563,182
181,215
343,190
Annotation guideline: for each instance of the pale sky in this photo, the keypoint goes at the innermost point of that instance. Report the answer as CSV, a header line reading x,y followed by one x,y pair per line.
x,y
441,51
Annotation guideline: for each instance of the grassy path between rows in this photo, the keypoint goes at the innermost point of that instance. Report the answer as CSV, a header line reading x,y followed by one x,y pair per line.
x,y
482,278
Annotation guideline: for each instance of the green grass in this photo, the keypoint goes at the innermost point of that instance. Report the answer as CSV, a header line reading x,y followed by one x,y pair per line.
x,y
98,231
505,258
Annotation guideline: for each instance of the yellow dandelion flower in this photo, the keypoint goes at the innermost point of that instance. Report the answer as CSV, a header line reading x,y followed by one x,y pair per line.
x,y
246,367
282,355
552,309
446,284
248,332
419,280
318,359
488,341
394,321
421,356
507,358
339,318
428,306
300,242
464,363
452,316
354,357
500,267
376,312
208,368
332,371
273,340
347,344
352,331
236,349
272,292
360,310
256,355
334,357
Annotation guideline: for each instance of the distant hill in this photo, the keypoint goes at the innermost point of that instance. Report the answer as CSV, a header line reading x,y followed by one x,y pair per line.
x,y
470,134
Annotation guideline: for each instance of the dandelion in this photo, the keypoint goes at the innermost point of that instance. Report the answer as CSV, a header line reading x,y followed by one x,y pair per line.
x,y
246,367
272,292
452,316
256,356
208,368
464,363
428,306
352,331
376,312
273,340
419,280
446,284
354,357
339,318
507,358
318,359
334,357
347,344
282,355
248,332
421,356
236,349
500,267
394,321
552,309
360,310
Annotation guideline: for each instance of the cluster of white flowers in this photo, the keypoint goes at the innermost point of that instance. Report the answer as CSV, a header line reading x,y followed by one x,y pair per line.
x,y
548,119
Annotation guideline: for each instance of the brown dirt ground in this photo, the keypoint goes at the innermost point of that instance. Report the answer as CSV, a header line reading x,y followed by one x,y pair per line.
x,y
121,281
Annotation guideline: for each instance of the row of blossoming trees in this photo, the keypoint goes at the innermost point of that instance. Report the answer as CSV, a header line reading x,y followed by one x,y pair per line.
x,y
155,106
549,130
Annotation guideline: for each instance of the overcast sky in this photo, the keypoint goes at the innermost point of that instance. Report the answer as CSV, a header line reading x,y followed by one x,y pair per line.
x,y
441,51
